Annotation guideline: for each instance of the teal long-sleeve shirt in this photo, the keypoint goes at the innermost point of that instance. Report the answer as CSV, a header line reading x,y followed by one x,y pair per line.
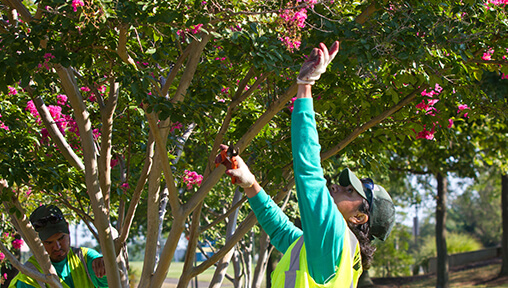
x,y
322,224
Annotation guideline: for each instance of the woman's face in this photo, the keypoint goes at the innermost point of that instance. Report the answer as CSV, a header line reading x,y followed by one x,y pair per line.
x,y
347,200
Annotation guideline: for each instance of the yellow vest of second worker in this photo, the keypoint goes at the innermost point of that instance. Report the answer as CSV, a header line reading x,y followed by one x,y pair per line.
x,y
292,270
77,265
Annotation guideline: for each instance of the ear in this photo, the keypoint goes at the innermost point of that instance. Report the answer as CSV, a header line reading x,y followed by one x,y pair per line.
x,y
359,218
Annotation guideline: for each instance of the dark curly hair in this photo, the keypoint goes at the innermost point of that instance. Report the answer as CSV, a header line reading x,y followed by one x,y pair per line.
x,y
362,233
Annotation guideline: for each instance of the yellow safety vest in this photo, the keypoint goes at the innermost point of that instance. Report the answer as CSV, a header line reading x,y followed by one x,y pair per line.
x,y
292,270
77,265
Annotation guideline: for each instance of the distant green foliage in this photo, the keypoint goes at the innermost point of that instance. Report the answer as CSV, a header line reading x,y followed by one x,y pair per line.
x,y
455,243
392,257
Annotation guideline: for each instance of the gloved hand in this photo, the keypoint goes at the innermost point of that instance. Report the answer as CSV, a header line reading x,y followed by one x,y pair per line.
x,y
316,64
244,178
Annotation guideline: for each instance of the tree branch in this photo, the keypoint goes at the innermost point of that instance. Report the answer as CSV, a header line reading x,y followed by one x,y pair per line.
x,y
373,122
56,135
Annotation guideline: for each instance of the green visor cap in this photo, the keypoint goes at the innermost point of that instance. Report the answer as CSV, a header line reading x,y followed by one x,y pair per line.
x,y
382,213
48,220
382,209
347,177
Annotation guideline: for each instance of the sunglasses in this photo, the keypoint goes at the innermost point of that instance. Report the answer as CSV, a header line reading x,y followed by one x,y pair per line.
x,y
52,219
369,184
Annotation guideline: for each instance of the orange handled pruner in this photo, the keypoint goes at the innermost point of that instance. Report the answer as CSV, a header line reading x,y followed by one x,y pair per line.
x,y
229,155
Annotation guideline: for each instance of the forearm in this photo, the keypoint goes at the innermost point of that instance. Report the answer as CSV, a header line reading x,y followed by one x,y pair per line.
x,y
276,224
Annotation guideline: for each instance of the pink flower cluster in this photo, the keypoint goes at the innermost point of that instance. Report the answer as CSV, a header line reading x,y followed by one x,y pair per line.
x,y
298,17
3,126
426,134
17,243
12,91
192,178
195,29
290,44
176,126
291,106
47,58
76,4
427,105
63,121
428,108
495,3
487,56
463,107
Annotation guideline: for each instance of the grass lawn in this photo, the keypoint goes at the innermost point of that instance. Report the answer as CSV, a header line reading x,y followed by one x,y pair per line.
x,y
175,270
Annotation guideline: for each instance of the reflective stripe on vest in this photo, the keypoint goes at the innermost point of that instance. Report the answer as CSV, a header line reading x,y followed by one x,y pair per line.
x,y
290,279
77,264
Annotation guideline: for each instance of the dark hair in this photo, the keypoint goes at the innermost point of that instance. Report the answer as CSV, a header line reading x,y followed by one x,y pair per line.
x,y
362,233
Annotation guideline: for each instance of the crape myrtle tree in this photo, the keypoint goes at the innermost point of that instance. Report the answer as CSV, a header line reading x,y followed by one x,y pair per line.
x,y
116,109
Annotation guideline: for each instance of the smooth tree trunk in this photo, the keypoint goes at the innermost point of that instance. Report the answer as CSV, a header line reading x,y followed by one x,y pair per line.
x,y
442,254
504,208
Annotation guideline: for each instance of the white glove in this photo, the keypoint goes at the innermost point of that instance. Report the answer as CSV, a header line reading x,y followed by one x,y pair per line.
x,y
244,177
316,64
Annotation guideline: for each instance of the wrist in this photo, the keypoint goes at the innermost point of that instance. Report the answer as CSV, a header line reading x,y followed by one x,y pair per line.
x,y
304,91
253,190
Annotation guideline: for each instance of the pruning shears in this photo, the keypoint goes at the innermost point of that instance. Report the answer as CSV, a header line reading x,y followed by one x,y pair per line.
x,y
230,156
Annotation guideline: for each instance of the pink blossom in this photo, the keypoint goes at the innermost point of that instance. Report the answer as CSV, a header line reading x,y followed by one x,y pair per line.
x,y
12,91
30,107
488,55
85,89
431,94
55,111
291,106
290,44
61,99
300,17
17,243
76,4
125,186
45,134
2,256
191,178
426,134
176,125
196,28
48,56
113,162
504,76
450,123
432,101
96,134
3,126
462,107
